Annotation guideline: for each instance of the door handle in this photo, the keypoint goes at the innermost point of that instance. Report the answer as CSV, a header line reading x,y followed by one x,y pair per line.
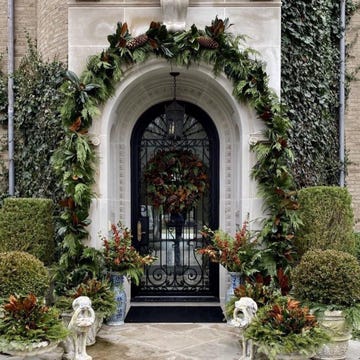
x,y
139,230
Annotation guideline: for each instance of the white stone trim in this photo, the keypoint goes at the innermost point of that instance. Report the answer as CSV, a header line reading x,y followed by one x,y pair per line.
x,y
146,85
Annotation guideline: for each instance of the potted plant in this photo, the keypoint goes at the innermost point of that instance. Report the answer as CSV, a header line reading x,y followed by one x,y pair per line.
x,y
27,326
102,299
329,281
122,260
283,329
240,255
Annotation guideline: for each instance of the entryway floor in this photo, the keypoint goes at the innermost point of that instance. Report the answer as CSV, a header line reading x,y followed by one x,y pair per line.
x,y
168,341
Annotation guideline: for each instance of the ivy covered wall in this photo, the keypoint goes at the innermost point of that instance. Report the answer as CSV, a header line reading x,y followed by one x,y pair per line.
x,y
37,125
310,86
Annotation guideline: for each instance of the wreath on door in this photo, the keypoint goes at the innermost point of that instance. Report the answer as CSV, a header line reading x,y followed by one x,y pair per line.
x,y
175,180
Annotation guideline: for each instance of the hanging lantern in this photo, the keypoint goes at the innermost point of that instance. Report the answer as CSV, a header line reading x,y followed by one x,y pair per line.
x,y
174,114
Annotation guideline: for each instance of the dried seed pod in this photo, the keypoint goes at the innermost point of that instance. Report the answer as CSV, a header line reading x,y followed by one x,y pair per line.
x,y
137,42
208,42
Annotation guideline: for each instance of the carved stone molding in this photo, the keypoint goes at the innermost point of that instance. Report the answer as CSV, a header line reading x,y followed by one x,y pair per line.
x,y
174,14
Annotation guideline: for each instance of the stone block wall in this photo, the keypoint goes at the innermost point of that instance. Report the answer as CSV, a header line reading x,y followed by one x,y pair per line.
x,y
352,118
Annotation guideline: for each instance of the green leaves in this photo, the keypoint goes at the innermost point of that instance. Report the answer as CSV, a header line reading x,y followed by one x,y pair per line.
x,y
310,82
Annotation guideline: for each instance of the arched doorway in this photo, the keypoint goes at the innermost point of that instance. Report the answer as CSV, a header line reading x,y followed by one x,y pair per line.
x,y
179,272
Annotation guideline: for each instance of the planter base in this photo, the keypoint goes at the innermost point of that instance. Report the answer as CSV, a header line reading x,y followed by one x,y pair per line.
x,y
333,351
34,350
335,324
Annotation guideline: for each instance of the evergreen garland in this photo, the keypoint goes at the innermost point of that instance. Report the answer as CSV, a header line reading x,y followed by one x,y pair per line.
x,y
74,159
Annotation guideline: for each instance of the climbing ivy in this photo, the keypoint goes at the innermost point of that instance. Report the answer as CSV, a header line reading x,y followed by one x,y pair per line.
x,y
38,127
74,159
310,86
3,135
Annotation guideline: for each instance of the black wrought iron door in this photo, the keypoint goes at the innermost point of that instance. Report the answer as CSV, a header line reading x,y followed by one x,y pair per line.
x,y
167,229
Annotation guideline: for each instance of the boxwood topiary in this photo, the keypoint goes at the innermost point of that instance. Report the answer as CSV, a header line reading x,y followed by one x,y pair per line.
x,y
22,273
328,277
26,224
327,218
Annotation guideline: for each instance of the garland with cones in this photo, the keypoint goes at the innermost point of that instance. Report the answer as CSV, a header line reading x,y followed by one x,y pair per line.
x,y
74,159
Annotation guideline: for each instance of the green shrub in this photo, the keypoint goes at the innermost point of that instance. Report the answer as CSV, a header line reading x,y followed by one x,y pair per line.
x,y
27,225
22,273
327,218
328,277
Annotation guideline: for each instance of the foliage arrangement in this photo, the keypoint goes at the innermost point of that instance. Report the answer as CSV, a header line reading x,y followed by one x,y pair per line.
x,y
285,327
120,256
239,254
176,180
28,225
87,264
98,291
310,57
258,288
22,273
327,219
328,277
26,322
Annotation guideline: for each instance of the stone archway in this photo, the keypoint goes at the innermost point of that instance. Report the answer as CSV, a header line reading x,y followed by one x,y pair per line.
x,y
240,84
143,87
140,89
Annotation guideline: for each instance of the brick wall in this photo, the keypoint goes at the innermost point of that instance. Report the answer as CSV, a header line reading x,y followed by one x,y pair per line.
x,y
52,28
3,30
352,121
25,23
43,20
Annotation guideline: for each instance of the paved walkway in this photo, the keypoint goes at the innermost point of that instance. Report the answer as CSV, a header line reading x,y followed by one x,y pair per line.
x,y
174,342
168,342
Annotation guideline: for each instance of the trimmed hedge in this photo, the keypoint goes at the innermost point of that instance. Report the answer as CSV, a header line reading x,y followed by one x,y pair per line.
x,y
22,273
327,218
328,277
27,225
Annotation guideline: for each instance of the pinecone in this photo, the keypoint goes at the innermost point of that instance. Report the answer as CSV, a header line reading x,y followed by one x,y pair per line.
x,y
208,42
137,42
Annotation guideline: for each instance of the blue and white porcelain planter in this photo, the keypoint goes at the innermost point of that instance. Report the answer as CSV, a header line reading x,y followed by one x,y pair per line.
x,y
235,279
117,283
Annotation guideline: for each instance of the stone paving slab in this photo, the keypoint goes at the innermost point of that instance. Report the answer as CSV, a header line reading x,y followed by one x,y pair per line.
x,y
167,342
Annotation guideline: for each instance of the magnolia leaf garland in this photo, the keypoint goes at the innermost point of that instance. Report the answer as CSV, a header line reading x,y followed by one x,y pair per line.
x,y
214,45
176,180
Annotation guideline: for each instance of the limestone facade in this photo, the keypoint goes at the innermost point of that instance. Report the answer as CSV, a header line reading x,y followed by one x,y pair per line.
x,y
352,123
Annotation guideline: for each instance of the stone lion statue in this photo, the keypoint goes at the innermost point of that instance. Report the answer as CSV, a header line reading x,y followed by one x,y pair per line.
x,y
244,312
83,318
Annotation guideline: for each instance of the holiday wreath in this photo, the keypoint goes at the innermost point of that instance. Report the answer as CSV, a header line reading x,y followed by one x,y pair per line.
x,y
175,180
